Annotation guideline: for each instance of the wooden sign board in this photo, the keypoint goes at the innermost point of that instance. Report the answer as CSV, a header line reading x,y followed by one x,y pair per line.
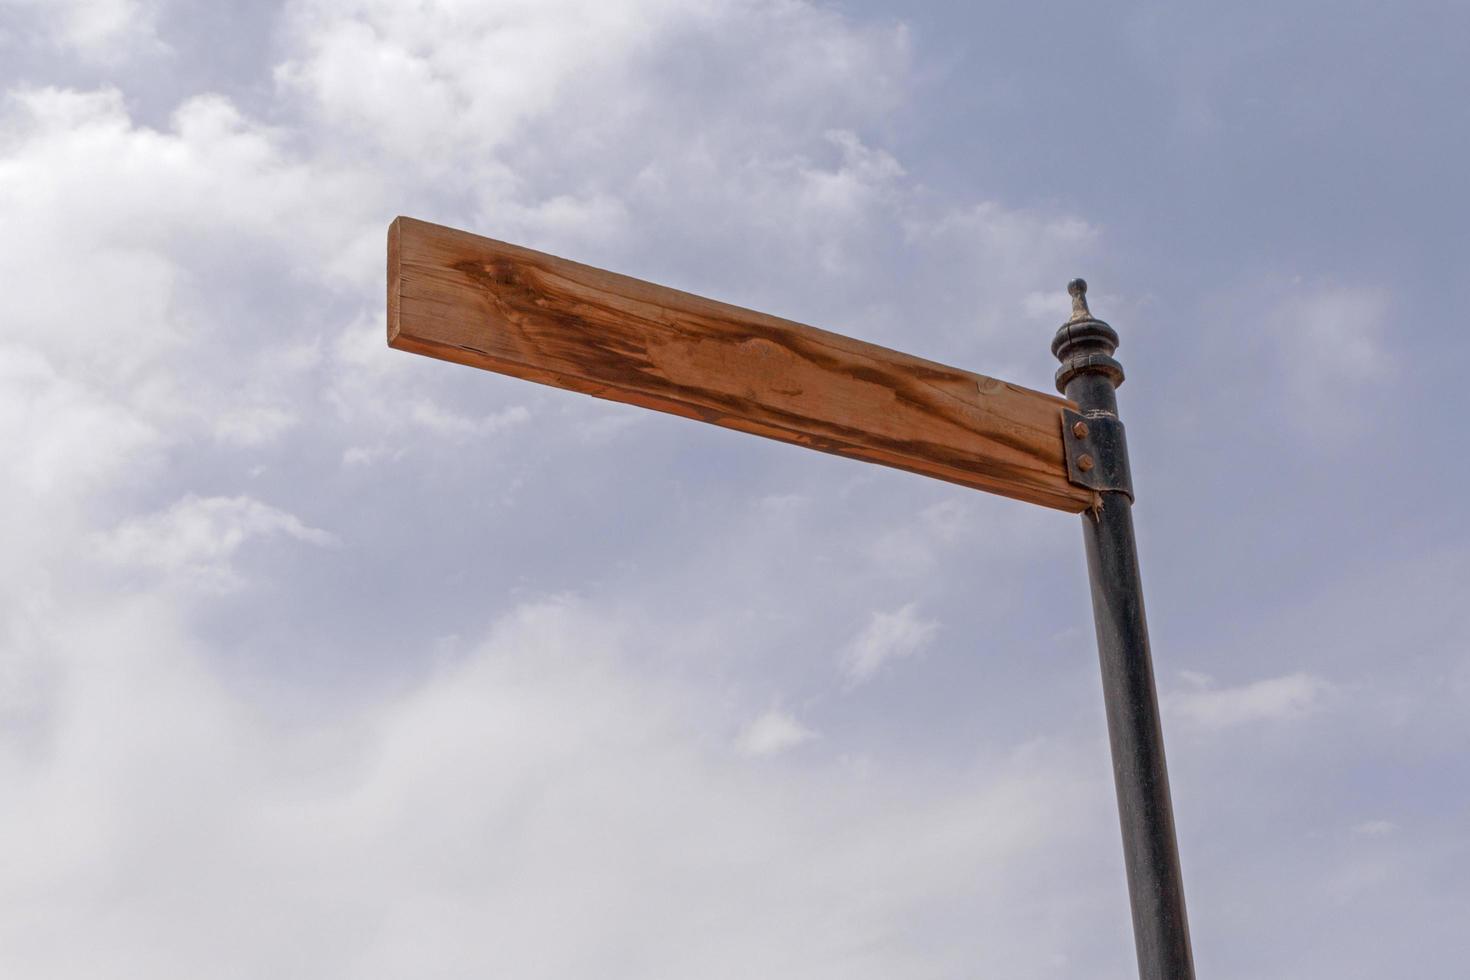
x,y
480,302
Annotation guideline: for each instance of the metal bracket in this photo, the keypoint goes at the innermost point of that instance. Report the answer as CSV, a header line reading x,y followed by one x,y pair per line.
x,y
1097,452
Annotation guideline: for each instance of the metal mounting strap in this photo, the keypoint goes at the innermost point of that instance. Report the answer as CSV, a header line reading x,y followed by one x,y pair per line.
x,y
1097,452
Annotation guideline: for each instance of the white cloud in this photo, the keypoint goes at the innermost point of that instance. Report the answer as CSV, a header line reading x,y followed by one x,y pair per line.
x,y
571,126
102,31
446,423
124,283
368,455
196,538
66,445
477,75
913,547
62,437
1331,345
772,733
376,392
473,73
1013,255
888,636
532,790
254,426
917,544
1277,699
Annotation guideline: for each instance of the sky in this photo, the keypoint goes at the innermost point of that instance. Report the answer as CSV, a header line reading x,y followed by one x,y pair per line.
x,y
319,659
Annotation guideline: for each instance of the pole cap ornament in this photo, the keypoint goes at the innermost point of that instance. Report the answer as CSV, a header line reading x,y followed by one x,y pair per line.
x,y
1085,344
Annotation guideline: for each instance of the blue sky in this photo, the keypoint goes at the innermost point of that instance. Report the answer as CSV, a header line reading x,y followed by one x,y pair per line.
x,y
321,659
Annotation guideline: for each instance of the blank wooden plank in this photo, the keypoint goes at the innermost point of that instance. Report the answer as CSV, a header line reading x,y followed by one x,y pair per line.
x,y
476,301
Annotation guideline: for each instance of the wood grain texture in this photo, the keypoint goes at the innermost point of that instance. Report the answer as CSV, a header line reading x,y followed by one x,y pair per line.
x,y
476,301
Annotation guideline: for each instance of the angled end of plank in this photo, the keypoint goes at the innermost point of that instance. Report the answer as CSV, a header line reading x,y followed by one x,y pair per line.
x,y
394,278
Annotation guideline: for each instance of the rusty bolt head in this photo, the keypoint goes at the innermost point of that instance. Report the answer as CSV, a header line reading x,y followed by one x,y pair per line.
x,y
1080,430
1084,462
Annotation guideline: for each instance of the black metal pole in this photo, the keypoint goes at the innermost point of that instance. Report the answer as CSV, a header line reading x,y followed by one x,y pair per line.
x,y
1097,456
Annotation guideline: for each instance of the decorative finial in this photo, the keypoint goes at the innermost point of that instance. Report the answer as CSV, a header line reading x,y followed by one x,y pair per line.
x,y
1078,289
1085,344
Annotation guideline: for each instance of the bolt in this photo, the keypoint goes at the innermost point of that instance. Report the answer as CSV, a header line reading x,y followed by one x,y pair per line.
x,y
1084,462
1080,430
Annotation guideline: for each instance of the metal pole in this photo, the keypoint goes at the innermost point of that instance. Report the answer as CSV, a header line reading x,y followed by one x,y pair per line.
x,y
1097,456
